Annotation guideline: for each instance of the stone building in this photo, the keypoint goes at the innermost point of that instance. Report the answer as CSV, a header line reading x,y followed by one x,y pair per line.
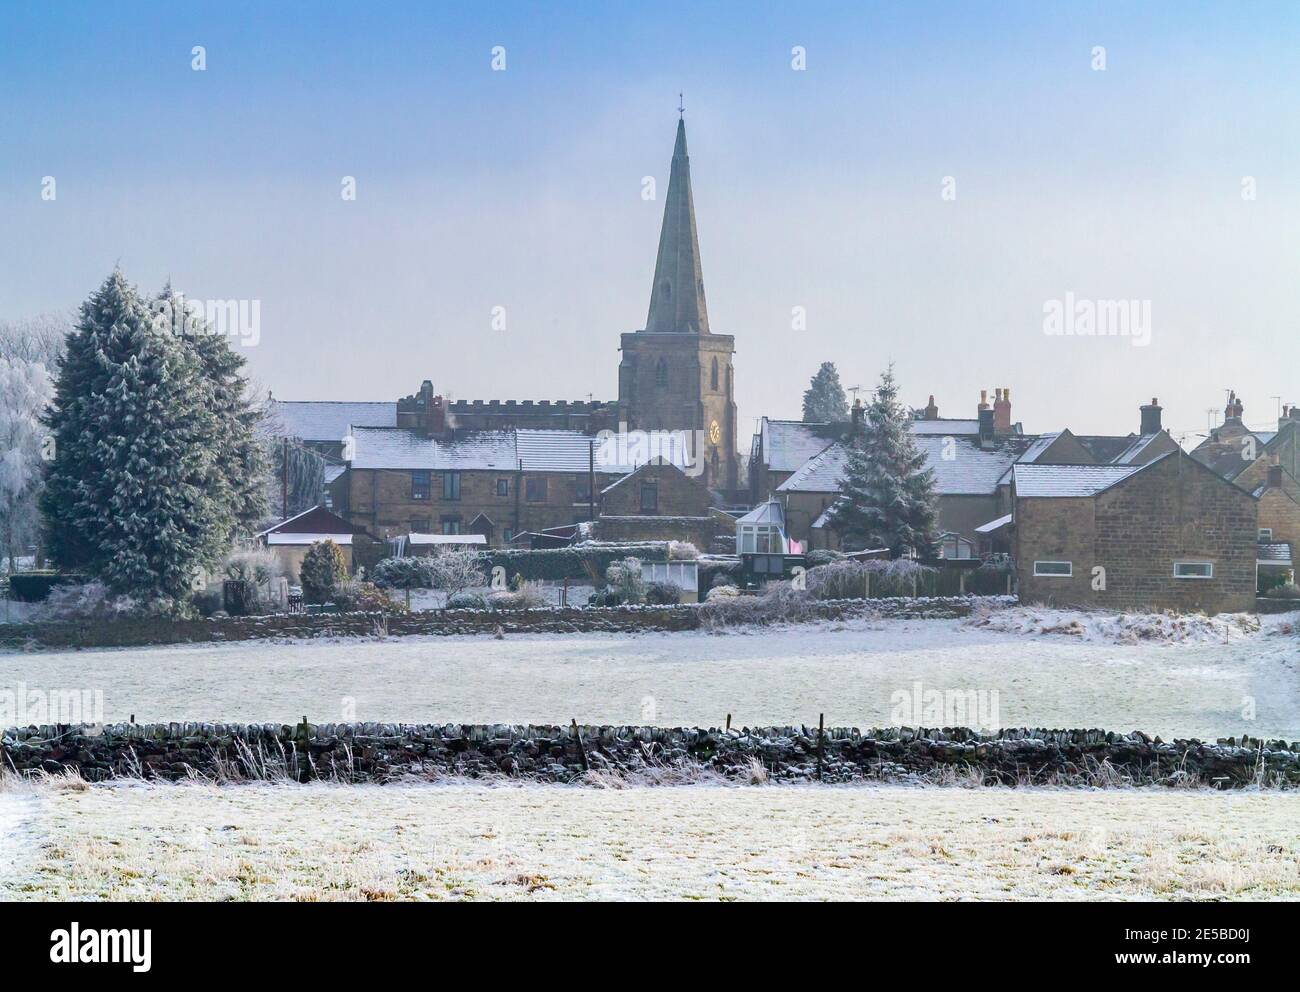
x,y
1244,455
523,465
676,374
1168,533
657,502
972,461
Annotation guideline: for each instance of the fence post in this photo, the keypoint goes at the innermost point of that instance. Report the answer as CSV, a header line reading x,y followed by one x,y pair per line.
x,y
821,743
961,582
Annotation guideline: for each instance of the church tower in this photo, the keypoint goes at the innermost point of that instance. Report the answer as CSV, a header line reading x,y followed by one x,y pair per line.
x,y
676,374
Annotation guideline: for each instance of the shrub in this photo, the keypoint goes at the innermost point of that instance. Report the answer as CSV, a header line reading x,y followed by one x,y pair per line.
x,y
256,565
208,601
777,603
466,601
323,568
526,597
721,592
682,551
723,579
455,571
588,560
95,601
623,580
404,573
662,594
847,578
364,597
34,587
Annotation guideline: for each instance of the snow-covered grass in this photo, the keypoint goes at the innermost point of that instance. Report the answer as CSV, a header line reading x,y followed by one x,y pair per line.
x,y
1122,628
534,842
849,671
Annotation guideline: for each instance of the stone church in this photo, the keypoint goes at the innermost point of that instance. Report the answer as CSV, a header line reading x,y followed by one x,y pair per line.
x,y
675,374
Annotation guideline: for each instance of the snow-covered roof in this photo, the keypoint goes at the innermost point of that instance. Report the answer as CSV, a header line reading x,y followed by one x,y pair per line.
x,y
1035,450
961,467
505,450
945,426
1069,480
426,539
296,539
332,472
768,512
787,444
1127,456
317,420
994,525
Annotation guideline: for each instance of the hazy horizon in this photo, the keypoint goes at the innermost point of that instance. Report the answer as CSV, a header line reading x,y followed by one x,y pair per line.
x,y
819,189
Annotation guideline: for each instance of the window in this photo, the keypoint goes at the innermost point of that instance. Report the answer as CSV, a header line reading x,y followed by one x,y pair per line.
x,y
1060,569
450,525
451,485
419,525
503,487
713,377
421,484
649,497
582,490
1193,570
661,374
535,490
1265,535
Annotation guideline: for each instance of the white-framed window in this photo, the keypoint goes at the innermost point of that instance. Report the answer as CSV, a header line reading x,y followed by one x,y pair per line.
x,y
1054,569
1265,535
1193,570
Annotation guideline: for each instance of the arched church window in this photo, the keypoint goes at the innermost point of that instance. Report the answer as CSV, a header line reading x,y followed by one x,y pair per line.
x,y
661,374
713,378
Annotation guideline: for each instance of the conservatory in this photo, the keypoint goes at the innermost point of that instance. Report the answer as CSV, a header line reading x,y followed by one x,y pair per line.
x,y
762,530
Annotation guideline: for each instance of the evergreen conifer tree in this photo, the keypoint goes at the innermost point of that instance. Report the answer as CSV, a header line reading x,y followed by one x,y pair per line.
x,y
887,497
824,400
129,494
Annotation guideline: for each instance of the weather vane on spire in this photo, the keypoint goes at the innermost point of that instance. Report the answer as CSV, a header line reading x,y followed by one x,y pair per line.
x,y
681,107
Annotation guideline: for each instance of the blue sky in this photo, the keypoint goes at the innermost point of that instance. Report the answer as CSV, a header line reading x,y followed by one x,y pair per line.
x,y
817,189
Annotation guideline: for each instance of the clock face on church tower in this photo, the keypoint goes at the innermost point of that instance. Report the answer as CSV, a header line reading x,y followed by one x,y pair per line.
x,y
715,432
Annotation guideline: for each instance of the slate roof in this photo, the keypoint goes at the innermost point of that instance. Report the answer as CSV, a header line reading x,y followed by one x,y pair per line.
x,y
314,420
945,426
1126,456
1105,447
1070,480
970,471
487,450
787,444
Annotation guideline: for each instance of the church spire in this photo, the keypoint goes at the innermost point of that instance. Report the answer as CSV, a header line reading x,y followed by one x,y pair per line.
x,y
677,296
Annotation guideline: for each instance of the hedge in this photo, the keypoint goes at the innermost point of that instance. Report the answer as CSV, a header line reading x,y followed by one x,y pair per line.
x,y
577,561
34,587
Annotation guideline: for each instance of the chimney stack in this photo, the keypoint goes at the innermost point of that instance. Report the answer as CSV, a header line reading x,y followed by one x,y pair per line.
x,y
858,414
1151,417
1002,411
987,429
931,411
1234,409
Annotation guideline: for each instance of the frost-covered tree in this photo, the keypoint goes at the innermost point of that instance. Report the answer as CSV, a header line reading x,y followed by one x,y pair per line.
x,y
28,351
455,571
323,568
887,497
239,466
129,494
24,391
824,400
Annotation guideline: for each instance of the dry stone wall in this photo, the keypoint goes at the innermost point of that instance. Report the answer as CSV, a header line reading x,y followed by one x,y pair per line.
x,y
376,752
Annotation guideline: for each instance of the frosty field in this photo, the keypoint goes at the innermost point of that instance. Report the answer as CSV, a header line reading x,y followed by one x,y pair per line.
x,y
769,676
474,841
